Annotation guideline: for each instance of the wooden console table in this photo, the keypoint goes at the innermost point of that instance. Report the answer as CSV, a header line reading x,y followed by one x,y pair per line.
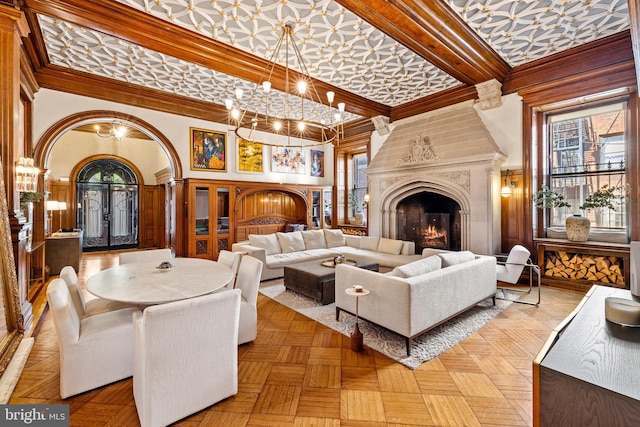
x,y
584,375
579,265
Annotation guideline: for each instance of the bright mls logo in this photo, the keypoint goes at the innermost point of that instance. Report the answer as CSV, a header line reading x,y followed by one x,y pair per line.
x,y
34,415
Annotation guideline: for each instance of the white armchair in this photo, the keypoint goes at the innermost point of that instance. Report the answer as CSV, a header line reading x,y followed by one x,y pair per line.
x,y
94,351
186,356
83,306
510,269
231,260
248,282
159,255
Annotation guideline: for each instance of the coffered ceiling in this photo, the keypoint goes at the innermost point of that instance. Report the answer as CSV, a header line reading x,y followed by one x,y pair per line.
x,y
378,56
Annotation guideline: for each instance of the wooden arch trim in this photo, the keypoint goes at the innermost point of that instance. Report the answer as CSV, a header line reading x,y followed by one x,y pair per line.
x,y
49,138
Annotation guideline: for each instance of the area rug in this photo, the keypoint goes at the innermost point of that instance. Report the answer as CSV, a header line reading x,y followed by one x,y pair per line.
x,y
425,347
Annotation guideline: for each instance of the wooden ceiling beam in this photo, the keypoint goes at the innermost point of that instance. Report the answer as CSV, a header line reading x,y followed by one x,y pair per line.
x,y
123,22
435,32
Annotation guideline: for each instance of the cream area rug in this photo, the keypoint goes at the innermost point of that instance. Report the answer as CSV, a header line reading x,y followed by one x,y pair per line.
x,y
425,347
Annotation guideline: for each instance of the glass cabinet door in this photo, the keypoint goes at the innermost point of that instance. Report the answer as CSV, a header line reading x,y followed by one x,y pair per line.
x,y
202,244
327,208
316,209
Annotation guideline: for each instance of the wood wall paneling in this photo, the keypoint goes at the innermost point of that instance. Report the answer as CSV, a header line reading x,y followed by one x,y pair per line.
x,y
152,210
512,215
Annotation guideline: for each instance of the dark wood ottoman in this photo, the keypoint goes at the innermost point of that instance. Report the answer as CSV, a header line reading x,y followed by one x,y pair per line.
x,y
316,281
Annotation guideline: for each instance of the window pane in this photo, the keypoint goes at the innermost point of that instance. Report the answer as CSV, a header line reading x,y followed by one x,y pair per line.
x,y
587,152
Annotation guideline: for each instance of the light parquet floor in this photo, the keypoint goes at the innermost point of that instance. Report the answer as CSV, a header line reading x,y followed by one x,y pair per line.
x,y
301,373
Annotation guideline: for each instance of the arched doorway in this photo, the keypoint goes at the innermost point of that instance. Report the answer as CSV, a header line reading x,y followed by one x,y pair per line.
x,y
107,198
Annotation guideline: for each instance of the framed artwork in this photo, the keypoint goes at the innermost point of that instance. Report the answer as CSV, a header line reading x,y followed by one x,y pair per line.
x,y
288,160
208,150
317,162
249,156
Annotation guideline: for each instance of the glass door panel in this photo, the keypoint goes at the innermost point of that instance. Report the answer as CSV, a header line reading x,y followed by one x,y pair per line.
x,y
327,208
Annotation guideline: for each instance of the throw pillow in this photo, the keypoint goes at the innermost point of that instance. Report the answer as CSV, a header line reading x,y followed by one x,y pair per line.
x,y
268,242
291,242
419,267
390,246
334,238
453,258
314,239
370,243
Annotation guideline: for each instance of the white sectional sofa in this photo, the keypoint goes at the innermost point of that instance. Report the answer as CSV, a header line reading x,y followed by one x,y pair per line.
x,y
280,249
413,298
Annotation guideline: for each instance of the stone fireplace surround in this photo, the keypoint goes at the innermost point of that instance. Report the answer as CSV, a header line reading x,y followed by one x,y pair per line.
x,y
448,152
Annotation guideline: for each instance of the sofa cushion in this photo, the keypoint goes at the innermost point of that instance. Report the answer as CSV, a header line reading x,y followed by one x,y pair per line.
x,y
268,242
390,246
453,258
291,242
334,238
314,239
417,268
369,243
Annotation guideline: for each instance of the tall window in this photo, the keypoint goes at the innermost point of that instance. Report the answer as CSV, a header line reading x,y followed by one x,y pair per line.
x,y
359,182
586,152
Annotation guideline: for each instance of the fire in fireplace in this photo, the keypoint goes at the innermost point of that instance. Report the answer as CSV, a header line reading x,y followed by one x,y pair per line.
x,y
435,231
430,220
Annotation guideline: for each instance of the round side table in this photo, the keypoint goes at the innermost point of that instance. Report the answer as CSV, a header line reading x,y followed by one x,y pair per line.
x,y
356,335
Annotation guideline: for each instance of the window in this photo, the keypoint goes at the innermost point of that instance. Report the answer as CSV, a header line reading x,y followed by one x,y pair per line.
x,y
359,180
585,152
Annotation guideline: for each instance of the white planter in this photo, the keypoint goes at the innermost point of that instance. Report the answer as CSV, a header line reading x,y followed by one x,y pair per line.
x,y
577,228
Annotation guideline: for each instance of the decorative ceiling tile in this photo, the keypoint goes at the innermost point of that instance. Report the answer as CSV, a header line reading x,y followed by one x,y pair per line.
x,y
92,52
337,46
522,31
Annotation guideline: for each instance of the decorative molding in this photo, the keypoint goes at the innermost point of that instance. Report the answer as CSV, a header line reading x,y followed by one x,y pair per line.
x,y
381,124
419,152
462,178
489,94
389,182
268,220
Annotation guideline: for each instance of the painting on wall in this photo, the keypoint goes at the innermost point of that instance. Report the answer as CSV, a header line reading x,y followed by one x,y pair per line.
x,y
288,160
208,150
249,156
317,163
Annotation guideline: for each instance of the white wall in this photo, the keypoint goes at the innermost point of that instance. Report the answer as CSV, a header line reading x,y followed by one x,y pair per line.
x,y
50,107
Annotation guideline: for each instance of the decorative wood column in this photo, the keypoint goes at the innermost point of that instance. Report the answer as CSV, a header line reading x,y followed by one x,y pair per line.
x,y
13,26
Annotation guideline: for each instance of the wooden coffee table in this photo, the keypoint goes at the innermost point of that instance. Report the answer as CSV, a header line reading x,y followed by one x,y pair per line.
x,y
312,279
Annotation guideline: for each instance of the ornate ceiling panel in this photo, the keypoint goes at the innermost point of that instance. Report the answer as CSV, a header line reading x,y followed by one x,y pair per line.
x,y
81,49
522,31
338,47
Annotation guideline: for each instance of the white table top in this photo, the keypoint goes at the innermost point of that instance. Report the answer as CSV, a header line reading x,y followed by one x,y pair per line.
x,y
142,283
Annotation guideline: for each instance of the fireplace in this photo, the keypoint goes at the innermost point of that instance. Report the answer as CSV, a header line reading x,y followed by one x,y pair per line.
x,y
430,220
436,181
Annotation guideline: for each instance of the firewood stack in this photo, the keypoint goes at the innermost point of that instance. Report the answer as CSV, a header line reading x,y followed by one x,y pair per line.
x,y
595,268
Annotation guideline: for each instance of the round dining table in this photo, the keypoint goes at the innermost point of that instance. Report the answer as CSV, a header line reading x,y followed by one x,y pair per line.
x,y
144,283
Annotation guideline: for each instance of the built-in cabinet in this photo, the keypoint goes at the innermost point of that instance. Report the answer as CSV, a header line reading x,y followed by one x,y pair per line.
x,y
321,208
208,210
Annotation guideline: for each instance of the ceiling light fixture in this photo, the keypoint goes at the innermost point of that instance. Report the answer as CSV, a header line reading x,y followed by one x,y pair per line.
x,y
117,131
300,117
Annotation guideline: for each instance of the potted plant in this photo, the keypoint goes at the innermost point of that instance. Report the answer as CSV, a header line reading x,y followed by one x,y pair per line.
x,y
577,227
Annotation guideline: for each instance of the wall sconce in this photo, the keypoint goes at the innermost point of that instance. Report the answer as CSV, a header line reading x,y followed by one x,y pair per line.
x,y
26,175
366,198
506,188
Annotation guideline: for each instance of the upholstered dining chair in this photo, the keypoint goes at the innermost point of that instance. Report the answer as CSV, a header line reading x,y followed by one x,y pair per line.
x,y
248,282
186,356
510,269
87,307
95,350
231,260
158,255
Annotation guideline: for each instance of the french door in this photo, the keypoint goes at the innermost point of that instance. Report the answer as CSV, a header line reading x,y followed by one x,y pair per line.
x,y
108,211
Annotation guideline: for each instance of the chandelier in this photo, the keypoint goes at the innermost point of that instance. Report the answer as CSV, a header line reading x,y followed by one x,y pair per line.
x,y
117,131
299,119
